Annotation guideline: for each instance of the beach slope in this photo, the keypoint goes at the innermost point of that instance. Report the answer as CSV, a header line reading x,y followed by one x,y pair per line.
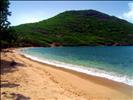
x,y
27,79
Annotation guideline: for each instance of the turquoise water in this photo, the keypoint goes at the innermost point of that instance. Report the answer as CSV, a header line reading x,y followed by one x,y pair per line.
x,y
114,62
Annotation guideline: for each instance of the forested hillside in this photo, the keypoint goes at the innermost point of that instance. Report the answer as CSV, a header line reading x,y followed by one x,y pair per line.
x,y
82,27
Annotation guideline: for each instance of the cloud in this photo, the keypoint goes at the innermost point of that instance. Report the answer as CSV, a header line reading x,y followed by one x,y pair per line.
x,y
129,14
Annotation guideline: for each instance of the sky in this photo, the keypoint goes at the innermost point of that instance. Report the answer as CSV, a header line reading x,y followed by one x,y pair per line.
x,y
34,11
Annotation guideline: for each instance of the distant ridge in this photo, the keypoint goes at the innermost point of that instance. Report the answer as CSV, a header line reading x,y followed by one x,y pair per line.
x,y
77,27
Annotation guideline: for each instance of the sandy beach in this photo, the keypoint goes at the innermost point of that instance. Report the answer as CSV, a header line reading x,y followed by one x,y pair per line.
x,y
25,79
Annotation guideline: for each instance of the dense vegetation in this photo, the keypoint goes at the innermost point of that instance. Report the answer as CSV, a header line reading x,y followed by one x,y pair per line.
x,y
8,36
83,27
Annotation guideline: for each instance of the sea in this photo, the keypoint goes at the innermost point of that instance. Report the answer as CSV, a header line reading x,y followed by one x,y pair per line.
x,y
110,62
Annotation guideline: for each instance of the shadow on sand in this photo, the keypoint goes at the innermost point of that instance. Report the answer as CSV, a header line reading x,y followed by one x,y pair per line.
x,y
13,96
6,84
8,66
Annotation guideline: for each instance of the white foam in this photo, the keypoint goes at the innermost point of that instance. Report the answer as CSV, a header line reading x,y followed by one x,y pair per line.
x,y
82,69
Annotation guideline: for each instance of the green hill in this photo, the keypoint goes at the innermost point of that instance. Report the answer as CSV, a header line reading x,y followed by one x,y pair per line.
x,y
82,27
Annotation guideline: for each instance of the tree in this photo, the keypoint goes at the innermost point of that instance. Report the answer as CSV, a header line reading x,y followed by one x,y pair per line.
x,y
4,13
4,23
7,34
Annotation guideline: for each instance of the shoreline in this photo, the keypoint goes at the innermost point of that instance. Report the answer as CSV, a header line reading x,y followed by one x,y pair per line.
x,y
95,79
76,68
86,86
86,76
80,74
